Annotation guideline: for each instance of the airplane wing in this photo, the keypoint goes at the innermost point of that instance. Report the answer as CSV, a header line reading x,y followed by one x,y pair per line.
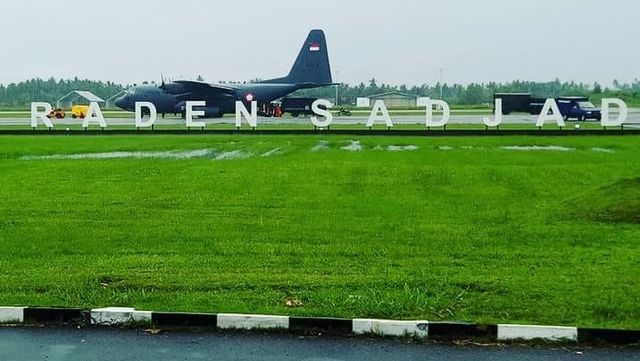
x,y
206,89
316,85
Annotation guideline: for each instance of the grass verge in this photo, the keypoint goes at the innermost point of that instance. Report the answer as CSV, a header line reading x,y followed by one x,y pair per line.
x,y
447,229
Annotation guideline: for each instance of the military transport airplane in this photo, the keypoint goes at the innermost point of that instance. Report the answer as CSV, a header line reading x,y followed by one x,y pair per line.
x,y
311,70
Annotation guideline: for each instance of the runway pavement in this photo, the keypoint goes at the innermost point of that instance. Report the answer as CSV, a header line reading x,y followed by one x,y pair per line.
x,y
633,118
27,344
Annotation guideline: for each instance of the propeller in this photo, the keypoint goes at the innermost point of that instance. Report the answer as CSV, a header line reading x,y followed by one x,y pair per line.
x,y
162,84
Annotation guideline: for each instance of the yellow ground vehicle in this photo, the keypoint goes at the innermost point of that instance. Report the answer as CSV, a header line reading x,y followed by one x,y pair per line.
x,y
57,114
79,111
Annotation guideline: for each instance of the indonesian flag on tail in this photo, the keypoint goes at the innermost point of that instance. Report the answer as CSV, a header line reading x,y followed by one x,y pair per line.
x,y
314,47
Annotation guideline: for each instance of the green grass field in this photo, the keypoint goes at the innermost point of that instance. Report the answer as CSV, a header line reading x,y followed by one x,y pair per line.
x,y
457,229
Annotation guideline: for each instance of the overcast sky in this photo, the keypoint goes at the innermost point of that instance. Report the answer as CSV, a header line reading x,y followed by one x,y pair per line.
x,y
399,41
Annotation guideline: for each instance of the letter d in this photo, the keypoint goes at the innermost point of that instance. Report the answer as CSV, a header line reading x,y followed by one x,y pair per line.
x,y
152,112
606,112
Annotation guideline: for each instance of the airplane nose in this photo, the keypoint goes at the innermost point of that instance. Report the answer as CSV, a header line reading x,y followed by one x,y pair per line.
x,y
121,103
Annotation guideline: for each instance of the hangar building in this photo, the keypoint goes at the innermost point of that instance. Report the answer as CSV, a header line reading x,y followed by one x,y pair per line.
x,y
396,99
77,96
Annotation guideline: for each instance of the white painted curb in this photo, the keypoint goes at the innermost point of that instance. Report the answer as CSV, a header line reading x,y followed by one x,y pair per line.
x,y
118,316
391,328
114,316
248,322
525,332
12,314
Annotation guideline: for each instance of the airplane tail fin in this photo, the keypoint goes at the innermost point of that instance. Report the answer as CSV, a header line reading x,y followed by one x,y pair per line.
x,y
312,65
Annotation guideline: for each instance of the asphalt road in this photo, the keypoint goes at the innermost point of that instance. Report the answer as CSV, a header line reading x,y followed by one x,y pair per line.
x,y
30,344
633,118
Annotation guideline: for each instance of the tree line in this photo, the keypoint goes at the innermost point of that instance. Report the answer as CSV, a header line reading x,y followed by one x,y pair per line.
x,y
482,94
20,95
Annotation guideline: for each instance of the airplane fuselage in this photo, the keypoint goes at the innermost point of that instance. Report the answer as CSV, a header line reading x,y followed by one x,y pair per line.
x,y
172,97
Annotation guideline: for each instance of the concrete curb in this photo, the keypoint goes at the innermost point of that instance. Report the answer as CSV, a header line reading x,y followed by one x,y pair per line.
x,y
441,331
12,314
528,332
391,328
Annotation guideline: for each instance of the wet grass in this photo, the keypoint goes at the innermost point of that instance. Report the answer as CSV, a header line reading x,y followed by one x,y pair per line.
x,y
459,229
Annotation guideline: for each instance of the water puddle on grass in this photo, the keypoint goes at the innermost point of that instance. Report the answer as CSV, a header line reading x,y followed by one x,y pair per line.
x,y
445,147
173,154
533,148
402,148
603,150
272,152
321,146
233,155
354,146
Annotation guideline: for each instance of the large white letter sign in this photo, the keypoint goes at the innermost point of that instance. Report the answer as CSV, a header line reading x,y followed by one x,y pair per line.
x,y
37,114
328,117
446,113
606,112
241,111
190,113
153,114
94,115
379,113
498,115
555,116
